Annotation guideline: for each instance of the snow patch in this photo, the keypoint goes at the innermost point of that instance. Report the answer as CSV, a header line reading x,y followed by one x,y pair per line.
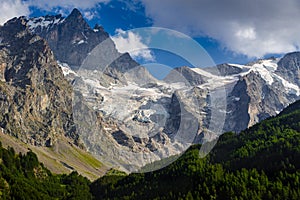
x,y
204,73
264,73
84,35
265,68
215,81
81,42
65,68
43,22
290,87
237,65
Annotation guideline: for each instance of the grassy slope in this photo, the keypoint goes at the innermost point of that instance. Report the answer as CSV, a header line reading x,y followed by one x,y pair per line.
x,y
61,158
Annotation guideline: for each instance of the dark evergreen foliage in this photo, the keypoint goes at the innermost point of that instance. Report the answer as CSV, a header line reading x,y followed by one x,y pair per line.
x,y
23,177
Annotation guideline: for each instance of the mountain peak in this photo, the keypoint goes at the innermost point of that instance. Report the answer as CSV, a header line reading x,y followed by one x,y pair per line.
x,y
75,13
76,20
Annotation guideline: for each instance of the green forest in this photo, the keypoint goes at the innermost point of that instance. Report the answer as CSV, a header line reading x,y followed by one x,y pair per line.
x,y
261,162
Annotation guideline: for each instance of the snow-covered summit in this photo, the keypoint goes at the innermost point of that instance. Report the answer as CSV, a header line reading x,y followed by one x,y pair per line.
x,y
267,69
46,22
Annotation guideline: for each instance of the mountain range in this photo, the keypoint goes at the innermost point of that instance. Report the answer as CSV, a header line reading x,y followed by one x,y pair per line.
x,y
61,80
261,162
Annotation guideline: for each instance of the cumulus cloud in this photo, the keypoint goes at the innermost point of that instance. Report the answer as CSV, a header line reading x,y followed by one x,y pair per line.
x,y
89,15
254,28
127,41
89,8
15,8
12,8
67,4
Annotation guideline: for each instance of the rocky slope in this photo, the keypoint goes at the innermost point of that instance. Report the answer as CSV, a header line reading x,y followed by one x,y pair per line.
x,y
72,41
71,38
35,99
260,92
36,103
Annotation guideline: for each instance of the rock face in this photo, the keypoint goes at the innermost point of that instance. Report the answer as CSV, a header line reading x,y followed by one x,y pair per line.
x,y
224,70
237,116
71,38
186,75
82,48
288,67
35,99
117,110
260,93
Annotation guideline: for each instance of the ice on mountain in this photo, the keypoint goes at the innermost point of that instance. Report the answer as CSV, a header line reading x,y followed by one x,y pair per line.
x,y
84,35
237,65
290,87
43,22
264,73
81,42
266,69
237,98
66,68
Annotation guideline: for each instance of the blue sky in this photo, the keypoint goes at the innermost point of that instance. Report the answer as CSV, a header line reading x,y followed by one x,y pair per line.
x,y
230,31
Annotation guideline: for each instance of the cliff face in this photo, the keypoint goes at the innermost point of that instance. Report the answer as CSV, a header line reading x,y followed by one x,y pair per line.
x,y
288,67
267,87
71,38
36,100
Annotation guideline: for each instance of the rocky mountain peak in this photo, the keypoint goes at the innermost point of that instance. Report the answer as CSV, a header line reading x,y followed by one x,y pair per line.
x,y
224,70
288,67
70,38
74,41
14,29
186,75
36,99
75,14
76,21
97,28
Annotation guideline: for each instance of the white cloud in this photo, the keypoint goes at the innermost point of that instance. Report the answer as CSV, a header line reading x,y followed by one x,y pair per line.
x,y
15,8
67,4
254,28
127,41
12,8
88,8
89,15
